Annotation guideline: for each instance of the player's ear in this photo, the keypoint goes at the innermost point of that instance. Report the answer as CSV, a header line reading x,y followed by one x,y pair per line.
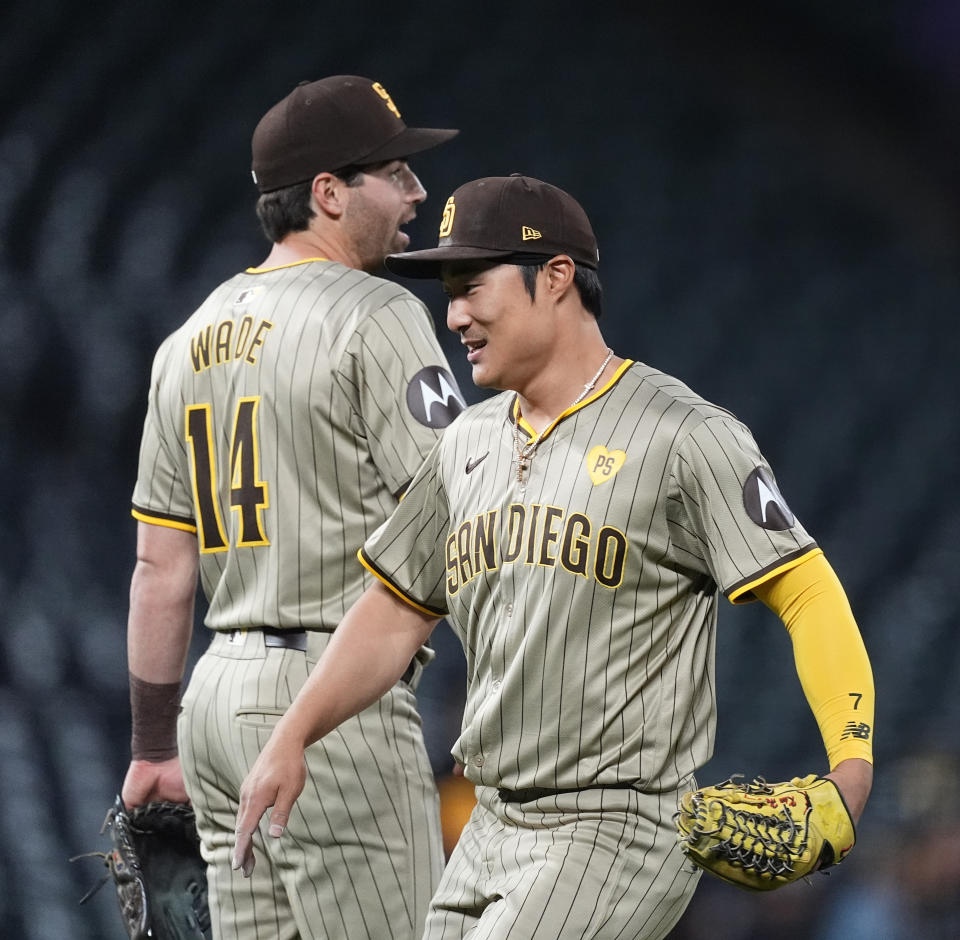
x,y
558,273
327,192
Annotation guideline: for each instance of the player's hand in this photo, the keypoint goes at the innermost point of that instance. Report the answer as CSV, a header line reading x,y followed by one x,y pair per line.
x,y
854,778
276,779
147,782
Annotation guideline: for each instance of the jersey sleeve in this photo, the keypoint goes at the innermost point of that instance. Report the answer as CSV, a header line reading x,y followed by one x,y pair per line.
x,y
726,515
404,552
163,493
401,388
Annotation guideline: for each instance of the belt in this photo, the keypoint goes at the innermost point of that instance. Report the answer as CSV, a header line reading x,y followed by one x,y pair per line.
x,y
284,639
530,794
297,640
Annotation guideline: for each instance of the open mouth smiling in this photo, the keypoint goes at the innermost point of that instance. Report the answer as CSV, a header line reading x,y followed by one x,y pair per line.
x,y
473,347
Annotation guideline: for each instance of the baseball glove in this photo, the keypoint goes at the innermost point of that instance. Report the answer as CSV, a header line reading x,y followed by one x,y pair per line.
x,y
760,835
156,867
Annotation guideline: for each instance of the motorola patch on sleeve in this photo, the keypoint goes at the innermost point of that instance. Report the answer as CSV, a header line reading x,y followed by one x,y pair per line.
x,y
433,397
764,503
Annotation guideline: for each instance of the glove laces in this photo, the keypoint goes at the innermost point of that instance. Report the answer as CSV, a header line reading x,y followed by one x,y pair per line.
x,y
766,843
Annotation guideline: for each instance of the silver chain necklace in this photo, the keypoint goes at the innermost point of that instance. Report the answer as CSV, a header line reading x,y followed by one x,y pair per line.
x,y
526,451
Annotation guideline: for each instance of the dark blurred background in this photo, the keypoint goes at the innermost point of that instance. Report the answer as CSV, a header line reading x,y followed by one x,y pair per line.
x,y
775,191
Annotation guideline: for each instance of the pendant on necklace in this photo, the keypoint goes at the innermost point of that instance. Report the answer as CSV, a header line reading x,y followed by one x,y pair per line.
x,y
526,451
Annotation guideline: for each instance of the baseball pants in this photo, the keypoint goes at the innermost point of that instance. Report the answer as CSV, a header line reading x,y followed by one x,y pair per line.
x,y
362,853
599,864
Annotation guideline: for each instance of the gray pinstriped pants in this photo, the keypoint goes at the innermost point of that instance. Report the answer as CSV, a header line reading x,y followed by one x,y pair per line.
x,y
601,864
362,853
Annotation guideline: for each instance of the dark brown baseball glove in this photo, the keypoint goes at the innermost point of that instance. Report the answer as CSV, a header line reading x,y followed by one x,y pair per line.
x,y
157,870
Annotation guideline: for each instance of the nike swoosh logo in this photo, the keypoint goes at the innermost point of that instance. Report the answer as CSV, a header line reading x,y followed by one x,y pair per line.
x,y
473,464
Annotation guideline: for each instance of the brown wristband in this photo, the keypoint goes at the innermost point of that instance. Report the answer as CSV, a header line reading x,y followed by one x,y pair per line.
x,y
154,708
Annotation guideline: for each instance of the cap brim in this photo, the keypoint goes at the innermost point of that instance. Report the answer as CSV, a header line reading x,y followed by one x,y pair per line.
x,y
427,263
409,141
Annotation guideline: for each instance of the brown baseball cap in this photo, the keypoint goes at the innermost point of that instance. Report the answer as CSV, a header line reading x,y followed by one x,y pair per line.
x,y
340,121
510,218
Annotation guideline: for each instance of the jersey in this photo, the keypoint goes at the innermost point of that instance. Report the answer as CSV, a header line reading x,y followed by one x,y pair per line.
x,y
585,593
285,418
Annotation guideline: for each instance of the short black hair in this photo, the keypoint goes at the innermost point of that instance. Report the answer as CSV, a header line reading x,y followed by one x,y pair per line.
x,y
585,279
287,210
353,175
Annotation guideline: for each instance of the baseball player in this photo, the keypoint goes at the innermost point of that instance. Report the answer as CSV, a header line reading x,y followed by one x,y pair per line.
x,y
286,417
576,531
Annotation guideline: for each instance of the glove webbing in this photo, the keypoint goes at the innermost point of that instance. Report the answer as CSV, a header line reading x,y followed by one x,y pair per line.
x,y
113,859
757,841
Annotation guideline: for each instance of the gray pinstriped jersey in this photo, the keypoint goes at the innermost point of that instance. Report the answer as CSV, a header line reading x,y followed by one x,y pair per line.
x,y
283,418
586,598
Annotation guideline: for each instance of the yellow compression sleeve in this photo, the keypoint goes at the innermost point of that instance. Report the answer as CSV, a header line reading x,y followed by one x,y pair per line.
x,y
831,659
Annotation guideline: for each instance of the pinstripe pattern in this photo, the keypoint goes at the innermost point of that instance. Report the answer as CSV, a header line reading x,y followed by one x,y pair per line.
x,y
336,436
592,865
278,429
586,600
359,858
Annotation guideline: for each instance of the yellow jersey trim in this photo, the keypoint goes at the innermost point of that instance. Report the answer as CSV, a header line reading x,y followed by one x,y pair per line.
x,y
736,596
574,408
392,587
168,523
280,267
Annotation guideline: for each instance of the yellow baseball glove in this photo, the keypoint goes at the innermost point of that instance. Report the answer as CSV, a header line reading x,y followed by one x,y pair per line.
x,y
760,835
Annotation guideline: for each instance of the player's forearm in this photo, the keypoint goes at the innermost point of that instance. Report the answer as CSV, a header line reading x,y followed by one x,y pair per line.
x,y
162,595
366,656
831,660
159,625
854,780
158,629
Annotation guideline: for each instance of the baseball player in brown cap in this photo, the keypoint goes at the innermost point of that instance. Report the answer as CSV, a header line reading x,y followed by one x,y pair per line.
x,y
286,417
576,531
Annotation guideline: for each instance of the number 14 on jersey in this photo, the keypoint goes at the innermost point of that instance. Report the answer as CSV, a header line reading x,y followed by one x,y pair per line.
x,y
248,494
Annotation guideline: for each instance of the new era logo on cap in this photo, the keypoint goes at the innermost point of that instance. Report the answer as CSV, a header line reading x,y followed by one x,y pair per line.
x,y
499,216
